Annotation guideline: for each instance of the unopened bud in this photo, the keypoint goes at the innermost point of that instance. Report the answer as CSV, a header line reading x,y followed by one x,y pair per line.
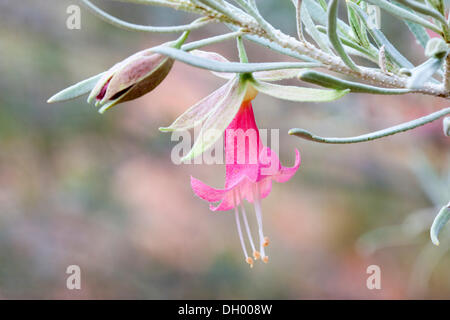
x,y
131,78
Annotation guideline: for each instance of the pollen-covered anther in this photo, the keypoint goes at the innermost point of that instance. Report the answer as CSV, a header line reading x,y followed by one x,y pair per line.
x,y
256,255
266,241
249,261
265,259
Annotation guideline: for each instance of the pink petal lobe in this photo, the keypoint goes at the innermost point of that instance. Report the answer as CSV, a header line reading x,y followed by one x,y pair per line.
x,y
286,173
206,192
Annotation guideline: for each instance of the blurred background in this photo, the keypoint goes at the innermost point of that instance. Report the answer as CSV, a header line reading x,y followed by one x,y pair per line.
x,y
100,191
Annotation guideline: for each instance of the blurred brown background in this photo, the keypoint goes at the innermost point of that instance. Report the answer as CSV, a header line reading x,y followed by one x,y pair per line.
x,y
100,191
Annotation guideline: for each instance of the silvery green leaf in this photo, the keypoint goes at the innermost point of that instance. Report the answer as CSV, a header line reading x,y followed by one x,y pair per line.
x,y
358,28
420,8
77,90
271,75
311,29
328,81
299,94
333,35
424,72
404,14
381,40
419,33
232,67
441,219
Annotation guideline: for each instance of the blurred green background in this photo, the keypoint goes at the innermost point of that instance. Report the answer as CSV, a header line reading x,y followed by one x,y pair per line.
x,y
100,191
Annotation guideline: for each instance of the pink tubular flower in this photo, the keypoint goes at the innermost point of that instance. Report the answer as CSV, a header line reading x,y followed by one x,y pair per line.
x,y
250,169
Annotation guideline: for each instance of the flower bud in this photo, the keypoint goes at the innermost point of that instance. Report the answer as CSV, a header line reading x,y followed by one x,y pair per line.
x,y
131,78
446,126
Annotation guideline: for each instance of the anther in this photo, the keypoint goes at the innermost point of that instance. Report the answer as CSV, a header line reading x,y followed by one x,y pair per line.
x,y
265,259
256,255
249,261
266,241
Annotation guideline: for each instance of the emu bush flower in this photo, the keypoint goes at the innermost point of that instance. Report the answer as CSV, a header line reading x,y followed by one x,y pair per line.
x,y
250,169
130,79
217,110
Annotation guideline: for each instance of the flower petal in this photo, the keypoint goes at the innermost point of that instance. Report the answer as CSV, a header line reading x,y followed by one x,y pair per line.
x,y
300,94
133,72
219,119
206,192
286,173
199,111
216,57
276,75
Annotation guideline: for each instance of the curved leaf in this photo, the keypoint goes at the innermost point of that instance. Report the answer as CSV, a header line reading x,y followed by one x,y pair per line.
x,y
311,28
233,67
270,75
77,90
333,36
424,72
404,14
441,219
328,81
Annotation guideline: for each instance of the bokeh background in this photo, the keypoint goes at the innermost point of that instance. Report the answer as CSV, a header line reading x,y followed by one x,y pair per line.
x,y
100,191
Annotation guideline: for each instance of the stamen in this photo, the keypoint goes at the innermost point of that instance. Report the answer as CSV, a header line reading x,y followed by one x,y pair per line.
x,y
241,238
256,254
257,202
266,241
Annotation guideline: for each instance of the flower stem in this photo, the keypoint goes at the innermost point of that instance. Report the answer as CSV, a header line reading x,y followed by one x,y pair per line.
x,y
242,53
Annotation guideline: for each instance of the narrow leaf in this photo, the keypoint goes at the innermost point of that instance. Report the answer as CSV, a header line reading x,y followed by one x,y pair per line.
x,y
404,14
381,40
441,219
418,7
424,72
311,29
271,75
234,67
299,94
76,90
328,81
419,33
333,36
